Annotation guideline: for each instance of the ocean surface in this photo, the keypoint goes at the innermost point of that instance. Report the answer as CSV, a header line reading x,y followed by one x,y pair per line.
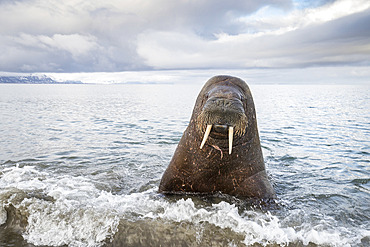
x,y
80,166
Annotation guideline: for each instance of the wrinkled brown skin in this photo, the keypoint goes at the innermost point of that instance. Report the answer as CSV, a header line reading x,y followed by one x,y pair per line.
x,y
212,169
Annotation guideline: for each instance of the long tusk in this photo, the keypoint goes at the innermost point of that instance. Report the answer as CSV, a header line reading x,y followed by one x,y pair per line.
x,y
208,130
231,133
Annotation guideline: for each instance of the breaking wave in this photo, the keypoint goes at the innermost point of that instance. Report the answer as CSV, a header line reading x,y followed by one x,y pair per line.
x,y
71,210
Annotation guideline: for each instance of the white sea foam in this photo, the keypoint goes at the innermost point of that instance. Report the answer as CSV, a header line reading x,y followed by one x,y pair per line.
x,y
23,178
64,222
79,214
72,217
257,227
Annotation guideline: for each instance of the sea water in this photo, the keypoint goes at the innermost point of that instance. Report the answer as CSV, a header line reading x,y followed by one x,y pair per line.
x,y
80,165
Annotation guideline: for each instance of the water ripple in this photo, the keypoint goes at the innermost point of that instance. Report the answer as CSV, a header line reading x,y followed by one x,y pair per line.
x,y
80,166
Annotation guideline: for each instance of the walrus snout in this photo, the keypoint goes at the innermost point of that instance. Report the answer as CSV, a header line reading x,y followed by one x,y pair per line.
x,y
220,116
223,113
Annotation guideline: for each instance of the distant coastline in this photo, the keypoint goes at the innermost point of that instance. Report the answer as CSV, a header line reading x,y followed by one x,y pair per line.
x,y
33,79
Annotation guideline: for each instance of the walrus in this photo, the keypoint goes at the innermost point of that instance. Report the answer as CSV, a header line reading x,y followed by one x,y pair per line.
x,y
220,150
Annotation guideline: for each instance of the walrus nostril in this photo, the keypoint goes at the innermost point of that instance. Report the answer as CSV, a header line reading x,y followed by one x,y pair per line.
x,y
220,128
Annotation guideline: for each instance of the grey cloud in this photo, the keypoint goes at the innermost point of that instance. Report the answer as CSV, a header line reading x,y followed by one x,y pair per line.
x,y
38,34
341,41
208,17
115,35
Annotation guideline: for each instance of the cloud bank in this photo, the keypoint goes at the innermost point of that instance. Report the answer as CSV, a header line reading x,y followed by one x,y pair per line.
x,y
121,35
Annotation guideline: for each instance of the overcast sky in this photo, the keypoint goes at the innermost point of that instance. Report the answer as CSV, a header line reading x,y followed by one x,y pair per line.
x,y
124,35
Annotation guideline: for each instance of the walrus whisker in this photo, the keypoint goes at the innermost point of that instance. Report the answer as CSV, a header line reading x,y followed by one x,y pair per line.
x,y
206,134
231,133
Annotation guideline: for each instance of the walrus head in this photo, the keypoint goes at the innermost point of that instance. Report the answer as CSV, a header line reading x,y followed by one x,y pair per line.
x,y
221,107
